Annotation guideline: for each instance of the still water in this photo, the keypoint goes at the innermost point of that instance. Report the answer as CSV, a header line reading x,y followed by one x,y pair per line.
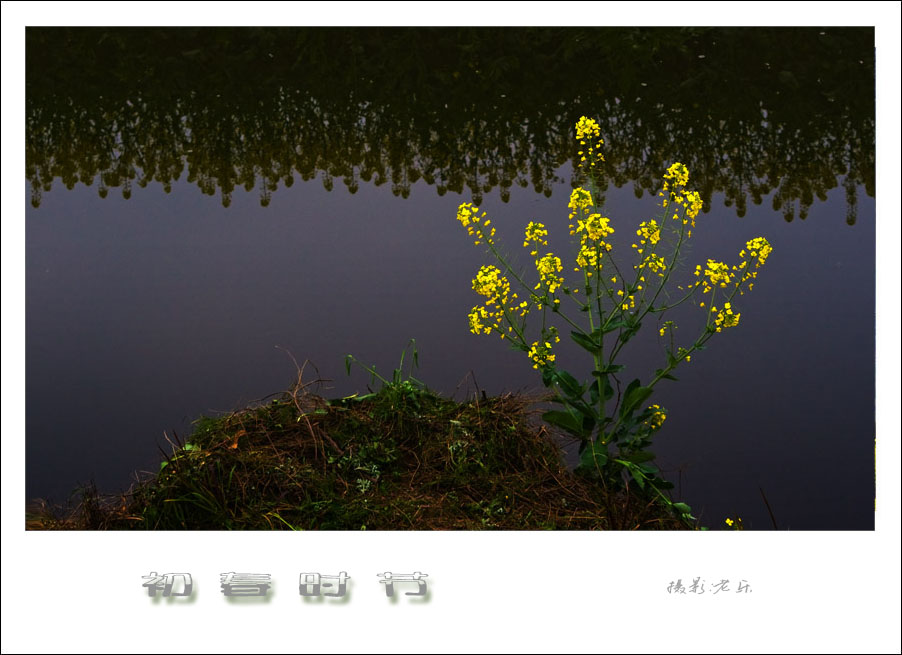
x,y
203,202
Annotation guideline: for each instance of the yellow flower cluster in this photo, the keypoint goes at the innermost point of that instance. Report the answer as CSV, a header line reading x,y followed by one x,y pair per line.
x,y
469,217
580,200
587,128
650,232
656,420
588,133
587,258
693,204
489,282
628,301
501,307
760,248
548,267
596,228
725,317
716,274
675,179
540,354
654,263
676,176
535,234
481,320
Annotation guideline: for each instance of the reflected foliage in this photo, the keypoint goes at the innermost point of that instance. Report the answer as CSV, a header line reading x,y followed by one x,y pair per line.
x,y
788,111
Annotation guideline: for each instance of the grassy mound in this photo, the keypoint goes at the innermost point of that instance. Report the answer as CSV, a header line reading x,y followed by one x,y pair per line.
x,y
401,459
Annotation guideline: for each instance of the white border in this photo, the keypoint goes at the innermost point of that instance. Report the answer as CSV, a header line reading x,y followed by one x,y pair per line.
x,y
501,591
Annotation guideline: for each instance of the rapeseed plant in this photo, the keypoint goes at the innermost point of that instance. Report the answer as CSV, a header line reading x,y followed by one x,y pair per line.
x,y
610,309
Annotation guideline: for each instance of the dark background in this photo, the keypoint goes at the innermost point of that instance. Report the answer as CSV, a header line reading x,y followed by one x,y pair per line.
x,y
234,190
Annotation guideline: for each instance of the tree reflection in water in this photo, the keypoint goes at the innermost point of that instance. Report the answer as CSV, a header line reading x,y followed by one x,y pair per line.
x,y
751,111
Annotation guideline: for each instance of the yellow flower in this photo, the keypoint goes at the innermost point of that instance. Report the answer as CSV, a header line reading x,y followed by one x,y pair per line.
x,y
548,267
466,213
540,354
481,321
725,317
580,200
535,234
693,205
656,420
469,217
649,231
717,274
676,175
760,248
589,136
489,282
586,128
596,227
655,263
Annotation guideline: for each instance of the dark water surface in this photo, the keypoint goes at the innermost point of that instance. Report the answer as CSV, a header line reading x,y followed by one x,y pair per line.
x,y
202,201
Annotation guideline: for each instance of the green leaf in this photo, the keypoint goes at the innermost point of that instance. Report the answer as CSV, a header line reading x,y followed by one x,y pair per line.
x,y
569,384
631,386
594,393
586,342
580,406
608,390
594,455
634,396
616,325
568,421
641,456
682,508
631,329
664,376
637,476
